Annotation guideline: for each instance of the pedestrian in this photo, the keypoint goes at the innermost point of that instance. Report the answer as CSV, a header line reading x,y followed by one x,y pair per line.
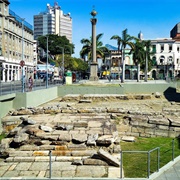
x,y
30,83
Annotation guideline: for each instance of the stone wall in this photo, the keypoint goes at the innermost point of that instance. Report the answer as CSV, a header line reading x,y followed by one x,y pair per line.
x,y
131,120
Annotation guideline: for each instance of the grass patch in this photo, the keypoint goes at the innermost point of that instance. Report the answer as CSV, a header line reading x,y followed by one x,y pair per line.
x,y
135,164
2,136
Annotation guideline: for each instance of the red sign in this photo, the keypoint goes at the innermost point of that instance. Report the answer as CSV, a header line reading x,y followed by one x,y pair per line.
x,y
22,63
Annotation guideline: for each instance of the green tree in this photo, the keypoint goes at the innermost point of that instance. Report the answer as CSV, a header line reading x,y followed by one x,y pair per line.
x,y
71,63
55,41
87,48
138,56
122,42
142,56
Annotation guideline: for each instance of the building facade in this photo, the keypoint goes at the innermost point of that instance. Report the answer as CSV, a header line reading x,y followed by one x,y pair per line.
x,y
53,21
113,64
16,36
167,58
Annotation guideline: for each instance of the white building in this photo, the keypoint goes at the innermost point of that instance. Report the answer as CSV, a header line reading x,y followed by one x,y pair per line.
x,y
53,21
16,36
167,57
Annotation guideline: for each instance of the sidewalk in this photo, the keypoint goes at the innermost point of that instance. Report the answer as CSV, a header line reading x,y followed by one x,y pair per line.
x,y
170,171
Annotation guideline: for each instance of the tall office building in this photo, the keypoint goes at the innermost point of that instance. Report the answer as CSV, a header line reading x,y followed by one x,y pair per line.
x,y
53,21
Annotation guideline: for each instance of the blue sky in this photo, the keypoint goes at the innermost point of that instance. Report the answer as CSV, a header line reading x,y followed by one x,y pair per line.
x,y
154,18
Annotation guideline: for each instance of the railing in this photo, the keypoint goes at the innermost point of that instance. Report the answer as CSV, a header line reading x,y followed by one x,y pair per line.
x,y
149,159
16,86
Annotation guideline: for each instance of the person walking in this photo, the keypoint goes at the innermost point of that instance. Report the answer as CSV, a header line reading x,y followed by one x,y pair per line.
x,y
30,83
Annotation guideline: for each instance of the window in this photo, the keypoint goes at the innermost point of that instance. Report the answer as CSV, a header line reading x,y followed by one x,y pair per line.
x,y
170,48
162,47
162,58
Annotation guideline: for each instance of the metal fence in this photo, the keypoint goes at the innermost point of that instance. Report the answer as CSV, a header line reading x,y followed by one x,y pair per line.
x,y
149,159
16,86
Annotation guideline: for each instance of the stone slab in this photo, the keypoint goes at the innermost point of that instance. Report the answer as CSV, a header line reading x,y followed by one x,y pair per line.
x,y
108,158
128,138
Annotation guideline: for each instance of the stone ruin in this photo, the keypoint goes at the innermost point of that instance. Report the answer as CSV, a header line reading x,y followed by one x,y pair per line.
x,y
84,135
82,138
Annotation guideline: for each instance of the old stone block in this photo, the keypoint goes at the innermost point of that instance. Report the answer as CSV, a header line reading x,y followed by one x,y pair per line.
x,y
77,146
150,131
108,158
128,138
105,140
41,153
24,159
79,138
94,124
174,121
91,171
162,133
81,124
84,153
158,120
137,130
20,153
59,148
95,131
67,158
94,162
61,153
44,159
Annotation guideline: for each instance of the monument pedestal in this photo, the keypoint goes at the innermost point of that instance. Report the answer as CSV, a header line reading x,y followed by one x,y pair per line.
x,y
93,72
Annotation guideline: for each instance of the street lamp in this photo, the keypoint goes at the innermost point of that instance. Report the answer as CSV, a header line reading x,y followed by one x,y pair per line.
x,y
146,68
62,63
22,56
47,63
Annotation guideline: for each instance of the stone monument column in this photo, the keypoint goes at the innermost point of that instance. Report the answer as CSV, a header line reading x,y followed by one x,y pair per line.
x,y
94,64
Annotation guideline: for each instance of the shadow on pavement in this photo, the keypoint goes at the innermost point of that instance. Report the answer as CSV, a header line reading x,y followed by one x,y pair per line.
x,y
171,95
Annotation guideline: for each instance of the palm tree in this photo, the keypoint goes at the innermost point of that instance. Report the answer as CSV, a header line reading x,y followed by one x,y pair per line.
x,y
148,57
87,48
138,55
142,56
122,42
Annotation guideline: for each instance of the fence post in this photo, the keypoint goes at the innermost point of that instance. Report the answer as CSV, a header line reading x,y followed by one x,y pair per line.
x,y
121,158
148,163
173,149
50,164
158,158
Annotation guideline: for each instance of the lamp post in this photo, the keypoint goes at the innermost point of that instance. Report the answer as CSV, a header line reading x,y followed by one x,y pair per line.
x,y
22,61
62,63
47,62
146,68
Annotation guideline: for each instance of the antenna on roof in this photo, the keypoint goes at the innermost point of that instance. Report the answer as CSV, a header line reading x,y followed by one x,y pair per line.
x,y
56,6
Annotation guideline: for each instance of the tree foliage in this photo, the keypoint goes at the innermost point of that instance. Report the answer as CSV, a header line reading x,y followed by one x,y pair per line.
x,y
122,42
71,63
87,48
55,44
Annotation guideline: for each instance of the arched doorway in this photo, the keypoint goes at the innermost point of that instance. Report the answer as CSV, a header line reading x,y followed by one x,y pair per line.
x,y
161,74
154,74
127,74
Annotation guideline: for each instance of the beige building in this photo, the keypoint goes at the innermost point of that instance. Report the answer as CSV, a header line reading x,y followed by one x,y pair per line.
x,y
16,36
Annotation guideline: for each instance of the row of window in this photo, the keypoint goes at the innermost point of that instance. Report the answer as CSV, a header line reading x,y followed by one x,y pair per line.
x,y
162,48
